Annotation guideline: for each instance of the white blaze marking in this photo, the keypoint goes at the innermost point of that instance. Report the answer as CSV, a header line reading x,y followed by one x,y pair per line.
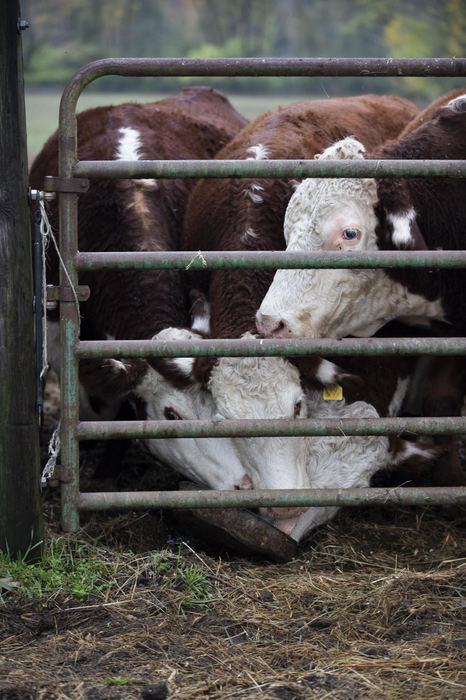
x,y
117,366
201,322
456,103
402,228
259,152
129,147
248,234
398,396
410,449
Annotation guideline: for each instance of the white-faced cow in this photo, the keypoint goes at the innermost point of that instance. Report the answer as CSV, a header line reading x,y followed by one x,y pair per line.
x,y
144,215
237,214
385,214
244,214
268,388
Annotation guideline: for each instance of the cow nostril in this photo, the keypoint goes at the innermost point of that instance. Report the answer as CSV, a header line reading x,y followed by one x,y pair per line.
x,y
279,329
271,328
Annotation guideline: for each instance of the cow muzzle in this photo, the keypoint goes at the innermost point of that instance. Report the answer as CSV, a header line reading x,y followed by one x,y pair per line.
x,y
271,328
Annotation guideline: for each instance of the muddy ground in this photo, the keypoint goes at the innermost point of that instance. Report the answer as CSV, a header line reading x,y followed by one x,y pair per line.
x,y
372,606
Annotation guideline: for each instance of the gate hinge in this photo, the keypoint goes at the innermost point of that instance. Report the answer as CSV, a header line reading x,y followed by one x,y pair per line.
x,y
65,293
76,185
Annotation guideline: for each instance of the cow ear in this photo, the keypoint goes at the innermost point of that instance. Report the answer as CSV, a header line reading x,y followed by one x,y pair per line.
x,y
317,372
405,233
112,379
178,370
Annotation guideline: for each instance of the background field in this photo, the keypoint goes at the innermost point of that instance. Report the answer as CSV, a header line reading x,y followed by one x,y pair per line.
x,y
42,108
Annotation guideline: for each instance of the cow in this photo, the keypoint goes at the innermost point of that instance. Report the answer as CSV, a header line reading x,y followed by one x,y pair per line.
x,y
266,388
237,214
247,214
143,215
385,214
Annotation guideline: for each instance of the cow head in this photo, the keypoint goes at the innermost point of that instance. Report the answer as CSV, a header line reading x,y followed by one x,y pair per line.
x,y
264,388
260,388
166,389
341,215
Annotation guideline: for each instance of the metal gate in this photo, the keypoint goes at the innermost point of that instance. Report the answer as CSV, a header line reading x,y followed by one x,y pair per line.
x,y
72,179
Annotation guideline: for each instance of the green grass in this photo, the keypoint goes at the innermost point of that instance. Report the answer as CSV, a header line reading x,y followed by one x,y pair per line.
x,y
42,109
68,570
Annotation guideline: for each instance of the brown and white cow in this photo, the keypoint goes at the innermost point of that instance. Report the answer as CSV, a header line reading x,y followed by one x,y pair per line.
x,y
244,214
365,214
238,214
143,215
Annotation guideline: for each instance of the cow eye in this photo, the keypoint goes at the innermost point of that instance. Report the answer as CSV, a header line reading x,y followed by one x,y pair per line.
x,y
297,408
170,413
349,234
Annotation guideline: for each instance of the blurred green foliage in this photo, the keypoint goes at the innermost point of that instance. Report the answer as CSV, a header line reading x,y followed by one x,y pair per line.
x,y
64,36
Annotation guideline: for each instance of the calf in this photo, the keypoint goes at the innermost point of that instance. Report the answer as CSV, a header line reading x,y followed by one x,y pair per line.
x,y
143,215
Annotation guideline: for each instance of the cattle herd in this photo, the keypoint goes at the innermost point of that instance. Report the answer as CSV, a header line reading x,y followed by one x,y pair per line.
x,y
316,214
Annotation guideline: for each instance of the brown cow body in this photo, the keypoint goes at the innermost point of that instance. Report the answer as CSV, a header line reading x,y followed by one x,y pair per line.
x,y
384,214
143,215
239,214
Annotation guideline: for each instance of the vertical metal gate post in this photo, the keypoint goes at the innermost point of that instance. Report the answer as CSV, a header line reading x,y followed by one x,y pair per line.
x,y
69,329
72,348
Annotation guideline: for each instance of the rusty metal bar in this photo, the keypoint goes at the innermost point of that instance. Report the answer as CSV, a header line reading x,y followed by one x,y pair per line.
x,y
270,66
229,259
279,497
265,347
279,427
268,168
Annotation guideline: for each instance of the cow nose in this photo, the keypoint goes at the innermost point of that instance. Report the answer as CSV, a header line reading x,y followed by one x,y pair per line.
x,y
271,328
245,483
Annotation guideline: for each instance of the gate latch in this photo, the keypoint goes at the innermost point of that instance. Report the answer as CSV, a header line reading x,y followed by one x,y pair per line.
x,y
76,185
65,293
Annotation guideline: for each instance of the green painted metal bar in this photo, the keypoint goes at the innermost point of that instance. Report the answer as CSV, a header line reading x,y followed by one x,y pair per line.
x,y
229,259
279,427
69,327
241,347
268,168
257,499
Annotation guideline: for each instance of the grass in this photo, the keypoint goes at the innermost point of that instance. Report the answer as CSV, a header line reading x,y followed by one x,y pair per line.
x,y
42,109
69,570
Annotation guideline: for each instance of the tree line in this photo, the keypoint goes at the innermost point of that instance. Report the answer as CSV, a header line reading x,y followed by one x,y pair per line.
x,y
64,36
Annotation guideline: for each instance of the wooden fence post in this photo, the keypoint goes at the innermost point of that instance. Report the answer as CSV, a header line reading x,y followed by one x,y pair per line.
x,y
20,503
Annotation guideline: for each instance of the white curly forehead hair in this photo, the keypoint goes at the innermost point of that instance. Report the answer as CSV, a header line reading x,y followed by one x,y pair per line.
x,y
315,198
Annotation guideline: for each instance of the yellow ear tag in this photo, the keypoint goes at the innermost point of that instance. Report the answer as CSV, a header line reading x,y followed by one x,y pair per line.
x,y
333,393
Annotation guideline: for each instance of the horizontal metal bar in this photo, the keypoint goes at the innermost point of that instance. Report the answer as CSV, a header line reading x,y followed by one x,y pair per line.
x,y
268,168
53,183
271,66
230,259
264,347
279,427
279,497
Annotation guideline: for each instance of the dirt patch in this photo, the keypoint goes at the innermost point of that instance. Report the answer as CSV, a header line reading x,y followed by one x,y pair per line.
x,y
372,606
